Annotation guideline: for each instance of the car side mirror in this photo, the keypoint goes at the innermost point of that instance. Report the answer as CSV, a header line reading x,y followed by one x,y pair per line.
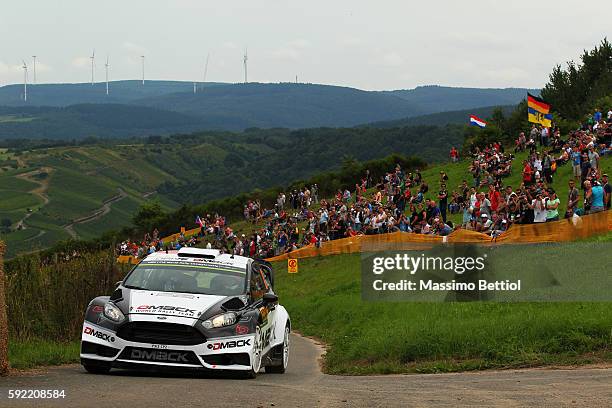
x,y
270,298
118,283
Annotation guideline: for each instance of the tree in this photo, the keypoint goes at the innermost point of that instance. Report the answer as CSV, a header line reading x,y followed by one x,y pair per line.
x,y
573,91
148,215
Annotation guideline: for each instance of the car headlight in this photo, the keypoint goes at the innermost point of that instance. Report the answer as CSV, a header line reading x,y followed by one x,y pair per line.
x,y
223,320
113,313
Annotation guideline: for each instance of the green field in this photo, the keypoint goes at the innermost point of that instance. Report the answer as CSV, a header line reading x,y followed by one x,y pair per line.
x,y
76,181
324,301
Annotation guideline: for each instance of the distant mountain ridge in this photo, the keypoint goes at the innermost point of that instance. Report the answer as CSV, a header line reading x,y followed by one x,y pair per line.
x,y
436,98
134,109
443,118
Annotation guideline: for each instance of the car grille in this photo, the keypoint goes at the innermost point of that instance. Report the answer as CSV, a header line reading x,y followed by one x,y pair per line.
x,y
160,333
159,356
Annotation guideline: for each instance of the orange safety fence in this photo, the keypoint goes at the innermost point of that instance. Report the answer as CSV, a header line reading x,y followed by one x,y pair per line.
x,y
127,259
187,234
555,231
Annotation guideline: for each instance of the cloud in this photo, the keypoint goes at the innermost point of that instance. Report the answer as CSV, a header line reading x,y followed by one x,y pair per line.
x,y
292,50
81,62
230,45
286,53
508,75
300,43
9,69
133,48
392,59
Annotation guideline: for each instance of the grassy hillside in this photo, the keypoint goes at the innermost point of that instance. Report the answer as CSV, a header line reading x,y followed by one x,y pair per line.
x,y
82,191
324,300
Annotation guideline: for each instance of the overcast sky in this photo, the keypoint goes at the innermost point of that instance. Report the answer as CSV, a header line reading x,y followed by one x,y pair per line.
x,y
363,44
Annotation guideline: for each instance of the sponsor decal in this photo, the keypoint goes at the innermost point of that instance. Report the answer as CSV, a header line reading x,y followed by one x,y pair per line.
x,y
183,311
97,309
240,329
229,344
100,335
158,355
266,336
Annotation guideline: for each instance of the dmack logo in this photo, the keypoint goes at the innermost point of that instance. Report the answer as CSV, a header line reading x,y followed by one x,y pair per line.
x,y
229,344
157,355
177,309
98,334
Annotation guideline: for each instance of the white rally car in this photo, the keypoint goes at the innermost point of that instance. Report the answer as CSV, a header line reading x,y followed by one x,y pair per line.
x,y
195,308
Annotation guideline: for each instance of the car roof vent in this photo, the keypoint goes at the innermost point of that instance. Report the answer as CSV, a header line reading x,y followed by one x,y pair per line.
x,y
198,253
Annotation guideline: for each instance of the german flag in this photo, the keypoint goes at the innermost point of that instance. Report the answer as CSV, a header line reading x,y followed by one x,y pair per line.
x,y
538,111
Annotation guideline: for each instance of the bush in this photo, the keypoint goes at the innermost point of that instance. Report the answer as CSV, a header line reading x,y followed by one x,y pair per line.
x,y
48,299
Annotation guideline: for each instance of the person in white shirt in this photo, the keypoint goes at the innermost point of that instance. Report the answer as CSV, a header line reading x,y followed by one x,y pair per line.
x,y
537,164
539,209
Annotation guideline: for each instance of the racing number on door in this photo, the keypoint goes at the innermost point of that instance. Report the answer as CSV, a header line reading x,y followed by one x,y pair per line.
x,y
292,265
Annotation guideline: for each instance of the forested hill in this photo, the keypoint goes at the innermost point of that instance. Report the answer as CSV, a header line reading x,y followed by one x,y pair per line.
x,y
443,118
50,112
287,105
435,98
80,93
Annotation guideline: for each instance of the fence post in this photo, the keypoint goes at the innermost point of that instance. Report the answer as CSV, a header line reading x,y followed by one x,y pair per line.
x,y
4,363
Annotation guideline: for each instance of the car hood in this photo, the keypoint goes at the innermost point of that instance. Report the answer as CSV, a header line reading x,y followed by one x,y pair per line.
x,y
170,303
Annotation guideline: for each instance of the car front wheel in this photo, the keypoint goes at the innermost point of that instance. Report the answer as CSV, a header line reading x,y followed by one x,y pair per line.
x,y
282,350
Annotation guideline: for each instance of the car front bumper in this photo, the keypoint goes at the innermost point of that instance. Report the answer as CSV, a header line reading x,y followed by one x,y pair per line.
x,y
226,353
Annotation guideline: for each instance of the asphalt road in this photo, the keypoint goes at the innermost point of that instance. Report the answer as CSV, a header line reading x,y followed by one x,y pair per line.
x,y
303,385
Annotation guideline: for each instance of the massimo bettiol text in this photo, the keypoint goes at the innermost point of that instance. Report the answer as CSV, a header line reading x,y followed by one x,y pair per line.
x,y
511,273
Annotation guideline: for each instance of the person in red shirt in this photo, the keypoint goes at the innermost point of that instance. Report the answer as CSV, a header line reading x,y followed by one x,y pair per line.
x,y
494,197
454,155
527,173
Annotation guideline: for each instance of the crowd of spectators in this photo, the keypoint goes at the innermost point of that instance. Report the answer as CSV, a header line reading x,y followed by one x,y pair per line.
x,y
404,201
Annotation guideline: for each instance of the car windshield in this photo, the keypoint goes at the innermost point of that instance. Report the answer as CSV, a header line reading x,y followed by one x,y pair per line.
x,y
185,277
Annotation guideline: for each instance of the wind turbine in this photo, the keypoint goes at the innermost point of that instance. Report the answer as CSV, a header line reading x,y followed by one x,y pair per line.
x,y
245,59
205,70
106,69
25,81
34,58
143,61
93,57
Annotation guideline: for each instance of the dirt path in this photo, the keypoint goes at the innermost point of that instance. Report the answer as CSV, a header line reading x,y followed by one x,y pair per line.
x,y
100,212
40,191
303,385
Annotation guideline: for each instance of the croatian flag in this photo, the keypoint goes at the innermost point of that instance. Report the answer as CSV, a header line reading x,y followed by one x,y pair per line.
x,y
476,121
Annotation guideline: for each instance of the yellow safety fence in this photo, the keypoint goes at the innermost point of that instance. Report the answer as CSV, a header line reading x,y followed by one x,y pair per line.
x,y
555,231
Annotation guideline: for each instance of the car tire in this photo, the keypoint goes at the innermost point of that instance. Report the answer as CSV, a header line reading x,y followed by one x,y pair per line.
x,y
96,367
283,351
